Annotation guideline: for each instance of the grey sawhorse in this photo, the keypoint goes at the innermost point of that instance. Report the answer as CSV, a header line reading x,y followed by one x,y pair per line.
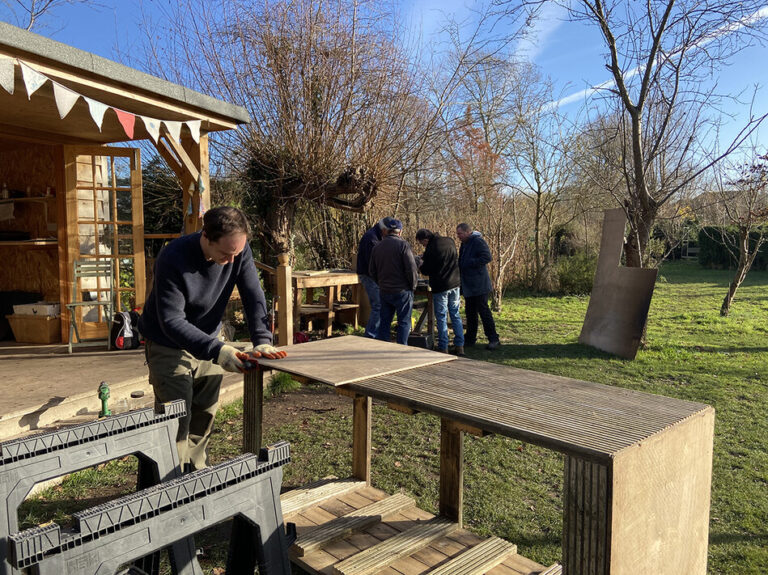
x,y
104,538
149,435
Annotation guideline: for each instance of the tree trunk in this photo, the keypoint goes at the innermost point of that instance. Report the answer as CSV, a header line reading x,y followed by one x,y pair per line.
x,y
276,234
745,262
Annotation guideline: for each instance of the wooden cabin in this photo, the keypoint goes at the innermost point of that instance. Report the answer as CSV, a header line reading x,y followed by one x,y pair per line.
x,y
67,193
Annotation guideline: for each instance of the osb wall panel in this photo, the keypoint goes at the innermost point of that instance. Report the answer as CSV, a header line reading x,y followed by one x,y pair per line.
x,y
27,165
30,269
29,169
34,269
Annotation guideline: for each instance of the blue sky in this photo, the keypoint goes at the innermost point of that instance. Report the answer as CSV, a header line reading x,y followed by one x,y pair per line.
x,y
569,53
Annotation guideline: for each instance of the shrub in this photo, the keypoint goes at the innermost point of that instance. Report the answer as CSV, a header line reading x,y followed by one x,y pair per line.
x,y
717,253
575,274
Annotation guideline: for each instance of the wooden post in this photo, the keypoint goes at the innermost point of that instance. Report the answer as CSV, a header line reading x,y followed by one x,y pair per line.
x,y
285,300
451,471
361,438
253,403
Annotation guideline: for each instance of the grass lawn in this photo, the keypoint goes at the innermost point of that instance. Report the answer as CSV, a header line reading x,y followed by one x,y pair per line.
x,y
512,489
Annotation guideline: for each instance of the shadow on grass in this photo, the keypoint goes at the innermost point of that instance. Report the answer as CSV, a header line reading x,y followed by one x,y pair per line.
x,y
539,351
727,538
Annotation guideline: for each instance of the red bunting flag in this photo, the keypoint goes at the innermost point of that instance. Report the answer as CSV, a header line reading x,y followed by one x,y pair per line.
x,y
127,120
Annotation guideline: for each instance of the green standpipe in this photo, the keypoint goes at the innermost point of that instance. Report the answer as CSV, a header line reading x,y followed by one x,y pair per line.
x,y
104,396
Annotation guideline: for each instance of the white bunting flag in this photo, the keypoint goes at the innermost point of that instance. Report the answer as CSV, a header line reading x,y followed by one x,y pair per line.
x,y
194,129
174,129
153,127
6,73
97,111
65,99
32,79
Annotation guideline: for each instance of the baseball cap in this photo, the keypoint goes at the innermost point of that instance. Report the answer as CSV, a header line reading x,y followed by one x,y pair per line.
x,y
391,224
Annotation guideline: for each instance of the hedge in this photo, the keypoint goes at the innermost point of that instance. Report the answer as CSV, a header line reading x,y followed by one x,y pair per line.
x,y
713,252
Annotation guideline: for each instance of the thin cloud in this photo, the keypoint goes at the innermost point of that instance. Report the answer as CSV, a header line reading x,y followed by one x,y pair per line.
x,y
551,18
760,14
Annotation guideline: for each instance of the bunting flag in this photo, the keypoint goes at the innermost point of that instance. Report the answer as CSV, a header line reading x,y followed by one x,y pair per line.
x,y
33,79
174,129
152,126
6,73
97,110
127,121
194,129
65,99
200,189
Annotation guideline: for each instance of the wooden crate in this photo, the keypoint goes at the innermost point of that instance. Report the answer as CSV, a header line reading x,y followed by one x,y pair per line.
x,y
35,328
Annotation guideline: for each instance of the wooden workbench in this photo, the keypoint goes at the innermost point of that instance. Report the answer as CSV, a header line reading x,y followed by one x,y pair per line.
x,y
637,466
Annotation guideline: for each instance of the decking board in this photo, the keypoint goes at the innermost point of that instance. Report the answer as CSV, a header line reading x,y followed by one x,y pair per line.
x,y
421,561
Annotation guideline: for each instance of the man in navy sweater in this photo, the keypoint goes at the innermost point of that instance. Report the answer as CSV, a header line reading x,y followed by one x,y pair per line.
x,y
194,278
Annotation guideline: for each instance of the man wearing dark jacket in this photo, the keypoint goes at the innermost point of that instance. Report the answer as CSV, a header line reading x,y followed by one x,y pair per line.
x,y
194,278
441,264
394,270
474,255
364,249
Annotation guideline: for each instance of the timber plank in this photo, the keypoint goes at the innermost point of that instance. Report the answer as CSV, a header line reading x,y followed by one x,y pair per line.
x,y
298,499
479,559
402,545
339,527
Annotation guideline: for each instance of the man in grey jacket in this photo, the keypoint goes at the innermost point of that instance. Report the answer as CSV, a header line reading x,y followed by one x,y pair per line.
x,y
393,267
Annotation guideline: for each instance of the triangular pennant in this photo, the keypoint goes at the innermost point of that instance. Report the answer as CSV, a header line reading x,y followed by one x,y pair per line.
x,y
174,129
6,74
65,99
194,129
200,189
97,111
32,79
153,127
127,121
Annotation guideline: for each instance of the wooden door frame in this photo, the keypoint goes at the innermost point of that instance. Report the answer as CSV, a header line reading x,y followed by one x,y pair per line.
x,y
68,242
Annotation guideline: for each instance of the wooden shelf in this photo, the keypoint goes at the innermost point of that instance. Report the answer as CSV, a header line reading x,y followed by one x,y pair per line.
x,y
31,244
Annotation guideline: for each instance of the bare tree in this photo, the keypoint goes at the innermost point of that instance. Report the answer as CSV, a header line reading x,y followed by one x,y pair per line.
x,y
660,54
28,13
329,88
743,202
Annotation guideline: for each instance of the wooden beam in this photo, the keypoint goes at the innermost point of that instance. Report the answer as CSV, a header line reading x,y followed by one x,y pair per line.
x,y
284,300
173,147
361,438
253,404
451,471
401,408
298,500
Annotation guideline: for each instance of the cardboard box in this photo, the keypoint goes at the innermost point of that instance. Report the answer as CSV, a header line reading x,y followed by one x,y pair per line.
x,y
35,328
52,309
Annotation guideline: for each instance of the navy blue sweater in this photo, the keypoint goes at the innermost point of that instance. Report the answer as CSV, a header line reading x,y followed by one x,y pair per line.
x,y
367,243
189,296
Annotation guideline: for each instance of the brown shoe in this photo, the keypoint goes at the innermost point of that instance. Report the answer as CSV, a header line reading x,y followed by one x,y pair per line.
x,y
459,351
441,349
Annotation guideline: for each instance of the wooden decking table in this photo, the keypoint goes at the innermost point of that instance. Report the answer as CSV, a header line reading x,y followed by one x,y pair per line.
x,y
637,466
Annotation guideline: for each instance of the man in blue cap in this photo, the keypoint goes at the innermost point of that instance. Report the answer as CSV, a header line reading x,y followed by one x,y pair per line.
x,y
393,267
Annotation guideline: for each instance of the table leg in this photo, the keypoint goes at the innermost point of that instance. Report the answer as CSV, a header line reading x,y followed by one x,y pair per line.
x,y
253,403
361,438
451,471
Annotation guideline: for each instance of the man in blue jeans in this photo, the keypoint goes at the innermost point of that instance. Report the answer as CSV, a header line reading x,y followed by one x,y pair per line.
x,y
393,267
441,263
364,249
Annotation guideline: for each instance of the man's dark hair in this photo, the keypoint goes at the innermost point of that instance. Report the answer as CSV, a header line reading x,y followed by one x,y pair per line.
x,y
224,220
464,227
424,234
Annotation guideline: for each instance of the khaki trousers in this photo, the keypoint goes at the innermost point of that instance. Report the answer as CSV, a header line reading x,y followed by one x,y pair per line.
x,y
176,374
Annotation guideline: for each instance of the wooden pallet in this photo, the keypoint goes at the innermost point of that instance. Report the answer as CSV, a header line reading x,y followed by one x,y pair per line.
x,y
403,540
